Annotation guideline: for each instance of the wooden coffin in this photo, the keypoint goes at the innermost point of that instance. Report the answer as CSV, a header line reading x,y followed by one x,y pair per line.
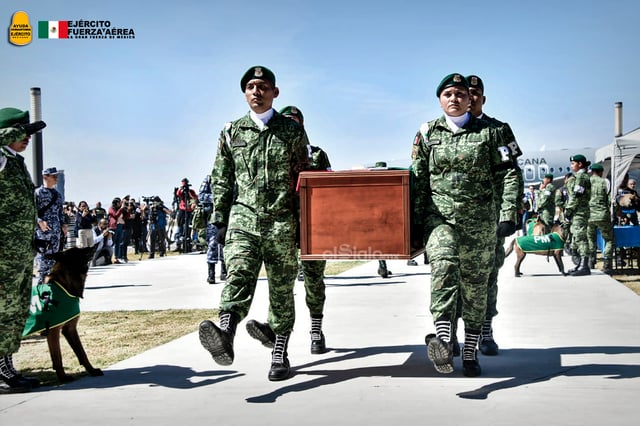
x,y
355,214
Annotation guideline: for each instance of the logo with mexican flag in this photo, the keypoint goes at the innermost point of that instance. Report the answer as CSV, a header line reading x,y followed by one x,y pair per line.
x,y
53,29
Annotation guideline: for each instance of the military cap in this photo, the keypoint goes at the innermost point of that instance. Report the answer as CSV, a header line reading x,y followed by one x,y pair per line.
x,y
597,167
454,79
549,175
263,73
475,81
579,158
293,111
12,116
49,171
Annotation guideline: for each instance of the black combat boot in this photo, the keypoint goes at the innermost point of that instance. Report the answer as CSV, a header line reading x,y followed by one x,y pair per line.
x,y
211,279
17,382
223,271
382,269
608,267
470,364
318,345
219,340
439,347
583,269
487,345
280,369
575,258
262,332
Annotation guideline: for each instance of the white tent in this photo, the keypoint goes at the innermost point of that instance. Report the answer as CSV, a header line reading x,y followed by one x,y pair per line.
x,y
620,157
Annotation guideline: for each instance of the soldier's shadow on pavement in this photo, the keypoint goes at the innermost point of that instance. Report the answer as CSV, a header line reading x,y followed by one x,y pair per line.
x,y
169,376
520,367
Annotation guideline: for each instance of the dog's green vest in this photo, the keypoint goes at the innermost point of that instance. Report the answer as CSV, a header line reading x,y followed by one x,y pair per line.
x,y
540,243
51,306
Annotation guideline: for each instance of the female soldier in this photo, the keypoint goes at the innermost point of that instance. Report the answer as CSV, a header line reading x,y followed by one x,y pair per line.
x,y
456,163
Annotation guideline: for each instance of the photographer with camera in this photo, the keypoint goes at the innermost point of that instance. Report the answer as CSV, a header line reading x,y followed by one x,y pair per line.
x,y
117,214
187,201
84,225
157,215
103,243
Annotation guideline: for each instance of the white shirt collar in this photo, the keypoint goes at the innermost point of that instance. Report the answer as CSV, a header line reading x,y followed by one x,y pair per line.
x,y
262,118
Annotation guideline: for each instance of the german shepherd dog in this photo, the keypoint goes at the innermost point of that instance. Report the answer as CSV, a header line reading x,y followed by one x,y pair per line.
x,y
556,232
70,273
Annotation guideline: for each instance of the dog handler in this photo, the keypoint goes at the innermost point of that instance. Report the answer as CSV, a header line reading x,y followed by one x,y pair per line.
x,y
456,161
17,225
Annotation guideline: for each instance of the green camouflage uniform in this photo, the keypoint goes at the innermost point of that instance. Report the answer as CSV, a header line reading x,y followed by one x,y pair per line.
x,y
514,152
577,210
17,222
600,217
454,179
262,218
313,270
547,206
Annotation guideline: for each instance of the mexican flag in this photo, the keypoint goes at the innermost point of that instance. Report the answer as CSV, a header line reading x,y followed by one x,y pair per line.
x,y
53,29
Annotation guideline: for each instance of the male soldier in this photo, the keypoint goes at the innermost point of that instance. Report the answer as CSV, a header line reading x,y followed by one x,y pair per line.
x,y
17,222
576,212
547,202
51,220
600,218
488,346
458,160
312,270
261,154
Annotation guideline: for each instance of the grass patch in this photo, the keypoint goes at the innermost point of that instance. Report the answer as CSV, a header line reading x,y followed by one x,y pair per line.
x,y
111,337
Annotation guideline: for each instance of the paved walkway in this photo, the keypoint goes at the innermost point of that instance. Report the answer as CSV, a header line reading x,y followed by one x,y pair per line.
x,y
570,355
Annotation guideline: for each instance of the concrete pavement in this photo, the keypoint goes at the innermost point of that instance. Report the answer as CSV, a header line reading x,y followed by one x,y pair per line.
x,y
569,355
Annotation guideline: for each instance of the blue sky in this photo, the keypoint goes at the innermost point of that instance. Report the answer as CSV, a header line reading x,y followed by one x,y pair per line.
x,y
135,116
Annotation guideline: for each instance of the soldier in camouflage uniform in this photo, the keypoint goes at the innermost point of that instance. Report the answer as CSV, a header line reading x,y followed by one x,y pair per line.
x,y
312,270
576,212
458,160
600,218
487,344
51,221
547,202
17,222
261,154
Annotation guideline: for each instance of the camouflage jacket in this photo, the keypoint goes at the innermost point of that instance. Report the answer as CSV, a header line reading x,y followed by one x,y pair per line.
x,y
264,165
505,176
17,201
456,174
547,199
599,203
579,194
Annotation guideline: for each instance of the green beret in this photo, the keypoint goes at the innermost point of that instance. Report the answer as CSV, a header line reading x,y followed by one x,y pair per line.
x,y
11,116
294,111
549,175
454,79
597,167
475,81
263,73
579,158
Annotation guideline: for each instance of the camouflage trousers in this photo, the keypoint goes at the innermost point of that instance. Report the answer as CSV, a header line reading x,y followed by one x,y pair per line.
x,y
460,268
492,284
15,296
314,285
606,230
547,218
244,253
579,239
